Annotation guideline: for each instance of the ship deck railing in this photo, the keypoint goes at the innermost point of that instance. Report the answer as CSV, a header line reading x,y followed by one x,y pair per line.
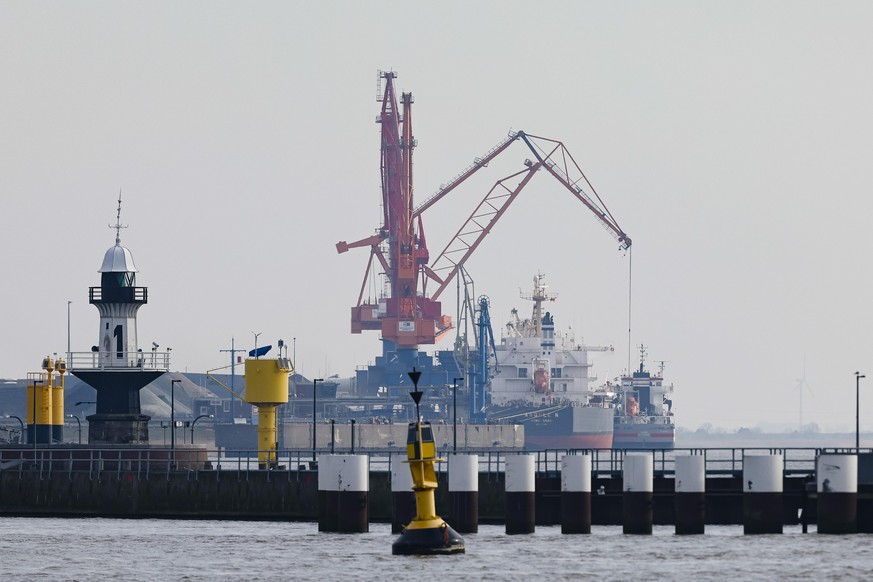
x,y
199,462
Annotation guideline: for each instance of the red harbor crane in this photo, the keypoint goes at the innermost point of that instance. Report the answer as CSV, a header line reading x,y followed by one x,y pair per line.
x,y
408,316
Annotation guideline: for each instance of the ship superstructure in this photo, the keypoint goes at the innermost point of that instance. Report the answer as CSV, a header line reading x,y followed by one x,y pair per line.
x,y
644,410
543,381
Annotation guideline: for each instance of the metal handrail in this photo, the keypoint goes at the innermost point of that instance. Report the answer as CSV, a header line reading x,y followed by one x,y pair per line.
x,y
145,462
113,360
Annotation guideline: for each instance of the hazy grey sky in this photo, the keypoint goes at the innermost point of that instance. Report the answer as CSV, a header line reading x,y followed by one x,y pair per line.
x,y
731,140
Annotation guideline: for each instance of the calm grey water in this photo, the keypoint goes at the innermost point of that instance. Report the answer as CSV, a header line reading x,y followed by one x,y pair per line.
x,y
96,549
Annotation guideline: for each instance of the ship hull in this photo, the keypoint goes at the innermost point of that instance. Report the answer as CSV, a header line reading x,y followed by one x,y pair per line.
x,y
644,436
572,427
568,441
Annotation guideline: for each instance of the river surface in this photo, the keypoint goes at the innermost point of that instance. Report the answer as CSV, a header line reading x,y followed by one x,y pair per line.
x,y
149,549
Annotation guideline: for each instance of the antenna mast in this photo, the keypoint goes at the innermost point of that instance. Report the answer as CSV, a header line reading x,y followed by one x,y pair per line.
x,y
118,226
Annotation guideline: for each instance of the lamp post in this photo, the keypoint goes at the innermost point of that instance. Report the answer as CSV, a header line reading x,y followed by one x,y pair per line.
x,y
195,422
78,422
33,428
173,420
858,376
69,353
315,382
455,414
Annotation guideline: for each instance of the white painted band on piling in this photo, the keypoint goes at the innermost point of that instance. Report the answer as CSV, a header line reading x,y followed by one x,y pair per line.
x,y
401,476
576,473
353,472
464,473
326,474
837,474
638,472
520,474
690,474
762,473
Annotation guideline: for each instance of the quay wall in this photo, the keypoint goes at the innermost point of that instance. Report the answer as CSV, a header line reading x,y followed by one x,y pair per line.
x,y
293,496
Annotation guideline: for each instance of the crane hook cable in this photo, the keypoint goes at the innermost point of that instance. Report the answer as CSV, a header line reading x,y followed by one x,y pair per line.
x,y
629,297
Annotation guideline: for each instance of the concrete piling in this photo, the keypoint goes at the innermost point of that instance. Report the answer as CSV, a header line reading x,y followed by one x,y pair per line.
x,y
837,487
690,485
762,494
464,493
343,489
402,496
637,487
520,494
576,494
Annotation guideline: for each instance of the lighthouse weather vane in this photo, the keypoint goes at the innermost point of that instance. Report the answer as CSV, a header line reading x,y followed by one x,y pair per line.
x,y
118,226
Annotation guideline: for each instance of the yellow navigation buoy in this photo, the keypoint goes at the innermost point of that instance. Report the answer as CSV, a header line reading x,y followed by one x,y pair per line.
x,y
427,533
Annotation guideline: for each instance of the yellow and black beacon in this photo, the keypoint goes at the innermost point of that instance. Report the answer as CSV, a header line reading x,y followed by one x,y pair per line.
x,y
427,533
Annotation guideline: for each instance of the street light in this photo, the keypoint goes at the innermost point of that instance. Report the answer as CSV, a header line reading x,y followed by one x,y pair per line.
x,y
455,413
315,382
79,422
858,376
173,419
33,427
69,353
195,422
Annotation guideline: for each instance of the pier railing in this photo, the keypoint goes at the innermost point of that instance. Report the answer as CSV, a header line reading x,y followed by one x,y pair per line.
x,y
119,360
199,462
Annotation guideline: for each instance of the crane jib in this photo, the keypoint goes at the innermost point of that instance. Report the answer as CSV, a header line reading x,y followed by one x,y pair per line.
x,y
406,314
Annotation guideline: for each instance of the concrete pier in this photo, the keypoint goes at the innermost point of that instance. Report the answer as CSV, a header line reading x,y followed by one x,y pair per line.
x,y
837,487
463,513
762,494
576,494
343,487
690,494
143,482
638,493
520,494
402,496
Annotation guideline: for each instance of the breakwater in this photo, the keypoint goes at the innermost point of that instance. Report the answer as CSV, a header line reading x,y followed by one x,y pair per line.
x,y
198,483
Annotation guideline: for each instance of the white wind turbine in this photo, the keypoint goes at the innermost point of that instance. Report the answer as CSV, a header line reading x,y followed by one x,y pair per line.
x,y
801,385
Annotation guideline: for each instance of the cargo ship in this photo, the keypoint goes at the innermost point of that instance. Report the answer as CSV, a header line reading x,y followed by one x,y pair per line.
x,y
542,380
643,410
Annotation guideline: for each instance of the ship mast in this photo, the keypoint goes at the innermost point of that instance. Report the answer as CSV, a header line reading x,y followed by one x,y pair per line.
x,y
538,296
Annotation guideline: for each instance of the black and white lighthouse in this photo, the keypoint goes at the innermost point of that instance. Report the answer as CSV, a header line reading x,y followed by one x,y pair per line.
x,y
116,367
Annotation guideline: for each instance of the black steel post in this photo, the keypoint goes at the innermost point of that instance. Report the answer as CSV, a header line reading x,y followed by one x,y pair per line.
x,y
33,432
858,376
315,382
332,435
455,414
173,421
353,436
